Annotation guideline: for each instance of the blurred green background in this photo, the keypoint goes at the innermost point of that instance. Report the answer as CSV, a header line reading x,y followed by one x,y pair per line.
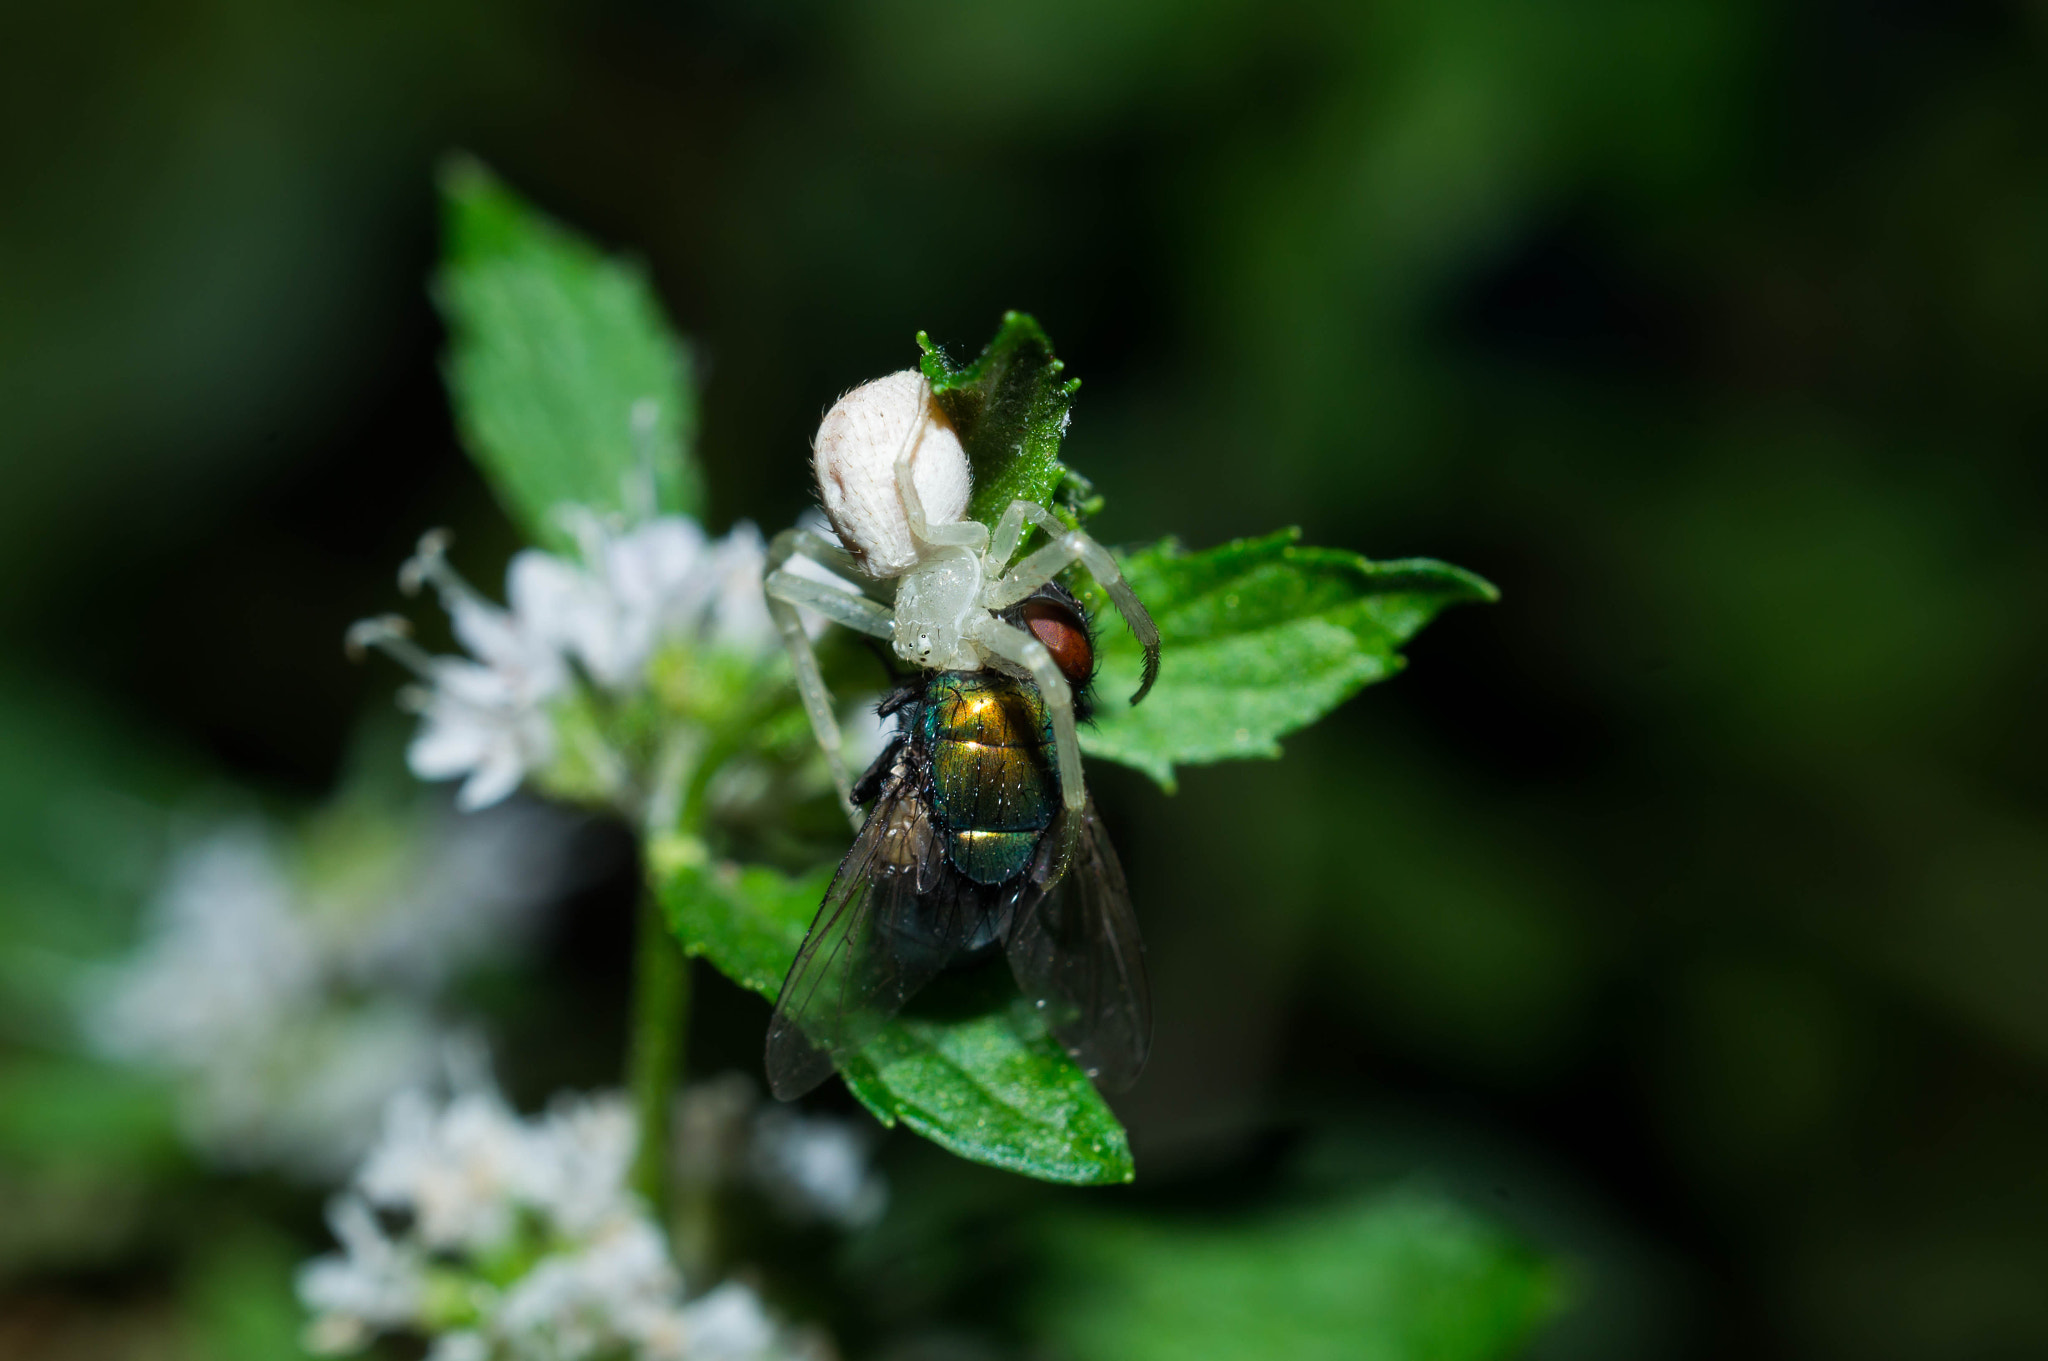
x,y
1687,907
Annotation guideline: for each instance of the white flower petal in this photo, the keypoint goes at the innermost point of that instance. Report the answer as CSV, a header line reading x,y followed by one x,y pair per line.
x,y
740,617
466,685
450,742
491,634
465,1345
549,595
493,780
728,1323
373,1285
466,1175
658,570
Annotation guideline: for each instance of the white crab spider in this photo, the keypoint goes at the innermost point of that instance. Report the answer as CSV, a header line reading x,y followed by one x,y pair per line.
x,y
894,480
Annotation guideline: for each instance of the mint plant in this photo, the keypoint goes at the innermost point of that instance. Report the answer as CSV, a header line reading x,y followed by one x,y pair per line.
x,y
633,669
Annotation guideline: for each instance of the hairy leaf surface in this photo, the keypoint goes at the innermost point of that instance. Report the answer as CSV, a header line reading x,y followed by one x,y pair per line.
x,y
1257,638
1010,408
996,1089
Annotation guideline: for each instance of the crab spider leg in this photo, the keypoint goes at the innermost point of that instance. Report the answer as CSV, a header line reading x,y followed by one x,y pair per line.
x,y
1010,530
810,687
1014,645
1069,546
803,663
841,607
960,534
827,553
809,543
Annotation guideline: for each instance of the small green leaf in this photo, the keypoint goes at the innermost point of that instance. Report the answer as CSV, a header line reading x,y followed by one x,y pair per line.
x,y
569,387
1397,1276
1257,638
1011,410
993,1087
748,920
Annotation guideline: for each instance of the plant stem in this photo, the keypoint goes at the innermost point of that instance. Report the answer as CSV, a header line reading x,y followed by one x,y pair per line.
x,y
654,1063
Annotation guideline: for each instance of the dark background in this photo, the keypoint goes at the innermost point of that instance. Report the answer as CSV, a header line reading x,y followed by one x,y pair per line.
x,y
1691,899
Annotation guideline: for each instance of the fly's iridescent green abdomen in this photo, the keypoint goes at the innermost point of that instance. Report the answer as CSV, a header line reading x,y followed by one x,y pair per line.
x,y
994,789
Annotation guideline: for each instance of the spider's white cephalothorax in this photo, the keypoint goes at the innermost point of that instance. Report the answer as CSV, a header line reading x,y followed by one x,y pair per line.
x,y
895,482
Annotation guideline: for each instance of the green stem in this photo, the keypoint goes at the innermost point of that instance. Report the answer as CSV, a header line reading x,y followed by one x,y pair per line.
x,y
654,1064
661,988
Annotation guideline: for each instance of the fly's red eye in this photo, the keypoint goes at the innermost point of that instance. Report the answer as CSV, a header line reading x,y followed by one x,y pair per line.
x,y
1065,636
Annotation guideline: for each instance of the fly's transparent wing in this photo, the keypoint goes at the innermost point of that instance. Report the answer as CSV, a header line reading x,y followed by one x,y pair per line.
x,y
875,942
1077,956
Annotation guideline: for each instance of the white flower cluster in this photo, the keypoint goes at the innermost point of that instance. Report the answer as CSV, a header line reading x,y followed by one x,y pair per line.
x,y
810,1168
519,1242
485,717
289,1002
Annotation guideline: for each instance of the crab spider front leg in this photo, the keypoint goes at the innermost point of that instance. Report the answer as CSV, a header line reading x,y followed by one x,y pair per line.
x,y
856,612
1019,648
968,534
1068,546
785,592
1009,532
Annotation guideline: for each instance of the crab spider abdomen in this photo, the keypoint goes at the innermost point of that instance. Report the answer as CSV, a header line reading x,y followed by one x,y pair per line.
x,y
855,458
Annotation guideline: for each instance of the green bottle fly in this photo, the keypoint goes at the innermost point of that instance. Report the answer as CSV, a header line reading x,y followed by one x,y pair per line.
x,y
968,848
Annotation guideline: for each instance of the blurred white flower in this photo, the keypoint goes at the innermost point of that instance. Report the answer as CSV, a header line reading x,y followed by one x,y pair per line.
x,y
808,1167
476,727
651,585
521,1243
286,985
463,1167
226,949
374,1285
461,892
813,1166
485,718
728,1324
614,1286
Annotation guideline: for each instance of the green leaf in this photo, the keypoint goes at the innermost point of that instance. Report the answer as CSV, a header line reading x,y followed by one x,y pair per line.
x,y
993,1086
1257,638
996,1089
1397,1276
1010,409
748,920
569,387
